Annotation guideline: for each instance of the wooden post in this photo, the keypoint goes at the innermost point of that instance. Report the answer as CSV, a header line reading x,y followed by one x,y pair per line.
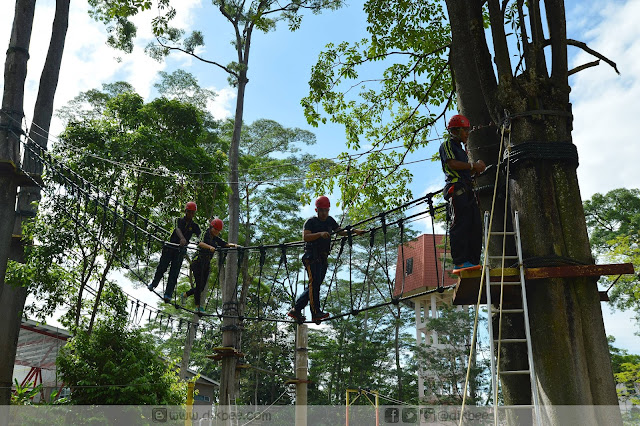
x,y
187,420
302,365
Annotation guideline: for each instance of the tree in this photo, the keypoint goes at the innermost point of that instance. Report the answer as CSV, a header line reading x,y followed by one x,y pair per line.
x,y
12,298
115,366
613,220
532,105
262,15
444,366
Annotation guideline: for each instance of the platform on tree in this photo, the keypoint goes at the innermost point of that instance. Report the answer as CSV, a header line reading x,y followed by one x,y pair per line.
x,y
466,291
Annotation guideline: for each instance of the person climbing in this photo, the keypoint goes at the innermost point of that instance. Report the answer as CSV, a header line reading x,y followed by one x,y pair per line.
x,y
316,233
466,227
174,252
201,264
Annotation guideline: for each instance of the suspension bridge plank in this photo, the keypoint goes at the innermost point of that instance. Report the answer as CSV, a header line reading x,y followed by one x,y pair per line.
x,y
466,291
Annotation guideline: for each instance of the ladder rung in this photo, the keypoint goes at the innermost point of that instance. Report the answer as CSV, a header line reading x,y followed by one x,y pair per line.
x,y
512,340
508,311
502,233
509,372
511,407
503,257
506,283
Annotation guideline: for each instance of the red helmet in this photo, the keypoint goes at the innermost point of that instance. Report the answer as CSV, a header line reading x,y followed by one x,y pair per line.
x,y
458,121
322,202
217,224
191,206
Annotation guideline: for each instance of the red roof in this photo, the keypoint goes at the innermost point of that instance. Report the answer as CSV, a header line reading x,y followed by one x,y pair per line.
x,y
427,269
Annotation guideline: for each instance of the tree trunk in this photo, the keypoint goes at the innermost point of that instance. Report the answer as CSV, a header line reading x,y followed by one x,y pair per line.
x,y
230,330
10,122
570,349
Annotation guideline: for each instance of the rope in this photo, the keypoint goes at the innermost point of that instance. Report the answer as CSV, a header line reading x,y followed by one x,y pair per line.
x,y
484,270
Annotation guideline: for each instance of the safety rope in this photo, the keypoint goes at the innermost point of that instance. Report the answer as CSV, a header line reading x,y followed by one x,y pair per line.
x,y
482,276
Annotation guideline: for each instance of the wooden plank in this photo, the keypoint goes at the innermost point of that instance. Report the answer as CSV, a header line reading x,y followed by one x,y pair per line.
x,y
466,291
572,271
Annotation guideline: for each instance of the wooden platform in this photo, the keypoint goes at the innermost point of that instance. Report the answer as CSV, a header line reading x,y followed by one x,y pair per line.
x,y
225,352
22,179
466,291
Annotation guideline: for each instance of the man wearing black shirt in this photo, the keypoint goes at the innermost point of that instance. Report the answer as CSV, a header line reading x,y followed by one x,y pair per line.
x,y
317,236
201,265
173,253
466,228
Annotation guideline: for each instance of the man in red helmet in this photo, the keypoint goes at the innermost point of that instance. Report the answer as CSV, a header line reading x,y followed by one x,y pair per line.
x,y
173,252
466,228
201,264
316,233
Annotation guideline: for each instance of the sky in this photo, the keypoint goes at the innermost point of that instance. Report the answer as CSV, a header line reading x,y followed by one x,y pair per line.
x,y
280,65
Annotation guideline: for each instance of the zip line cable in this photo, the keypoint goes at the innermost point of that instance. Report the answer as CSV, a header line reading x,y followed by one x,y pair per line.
x,y
153,171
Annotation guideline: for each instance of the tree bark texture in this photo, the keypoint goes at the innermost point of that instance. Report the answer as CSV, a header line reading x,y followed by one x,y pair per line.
x,y
230,330
11,118
12,299
570,351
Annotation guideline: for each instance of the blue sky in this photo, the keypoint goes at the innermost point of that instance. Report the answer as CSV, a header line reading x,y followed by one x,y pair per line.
x,y
280,64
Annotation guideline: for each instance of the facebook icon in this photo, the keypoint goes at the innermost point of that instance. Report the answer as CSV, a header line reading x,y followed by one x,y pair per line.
x,y
392,415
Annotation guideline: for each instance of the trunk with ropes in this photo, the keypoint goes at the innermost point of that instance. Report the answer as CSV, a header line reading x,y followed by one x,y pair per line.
x,y
12,299
570,350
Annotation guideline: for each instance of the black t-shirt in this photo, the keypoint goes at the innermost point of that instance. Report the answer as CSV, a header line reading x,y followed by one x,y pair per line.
x,y
321,246
206,254
454,150
188,229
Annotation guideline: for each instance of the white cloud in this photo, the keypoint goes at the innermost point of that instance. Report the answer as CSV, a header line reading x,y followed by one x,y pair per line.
x,y
605,104
221,106
88,62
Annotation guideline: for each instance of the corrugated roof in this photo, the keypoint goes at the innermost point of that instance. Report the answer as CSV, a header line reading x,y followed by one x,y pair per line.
x,y
38,344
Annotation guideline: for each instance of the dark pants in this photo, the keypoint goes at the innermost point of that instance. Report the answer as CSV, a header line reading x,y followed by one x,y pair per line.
x,y
316,270
200,275
171,255
466,228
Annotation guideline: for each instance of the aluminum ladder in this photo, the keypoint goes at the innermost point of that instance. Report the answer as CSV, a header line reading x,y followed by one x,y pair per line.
x,y
524,311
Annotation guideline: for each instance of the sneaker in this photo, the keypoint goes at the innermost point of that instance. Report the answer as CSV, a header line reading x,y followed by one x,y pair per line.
x,y
200,310
167,298
296,315
319,316
151,287
466,266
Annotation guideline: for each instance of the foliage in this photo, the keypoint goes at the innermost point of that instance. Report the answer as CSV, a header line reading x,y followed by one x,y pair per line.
x,y
613,220
24,394
116,366
393,106
626,370
444,364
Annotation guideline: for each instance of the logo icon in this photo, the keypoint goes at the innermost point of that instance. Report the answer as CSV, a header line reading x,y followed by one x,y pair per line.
x,y
159,415
392,415
409,415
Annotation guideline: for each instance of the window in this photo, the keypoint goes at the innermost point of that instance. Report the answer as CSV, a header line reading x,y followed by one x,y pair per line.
x,y
408,269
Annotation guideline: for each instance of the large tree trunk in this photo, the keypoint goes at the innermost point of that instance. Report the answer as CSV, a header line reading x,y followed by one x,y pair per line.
x,y
10,123
12,299
570,349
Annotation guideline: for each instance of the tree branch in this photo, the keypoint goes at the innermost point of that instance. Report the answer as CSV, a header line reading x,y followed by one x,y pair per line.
x,y
537,38
503,63
584,67
180,49
556,21
587,49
